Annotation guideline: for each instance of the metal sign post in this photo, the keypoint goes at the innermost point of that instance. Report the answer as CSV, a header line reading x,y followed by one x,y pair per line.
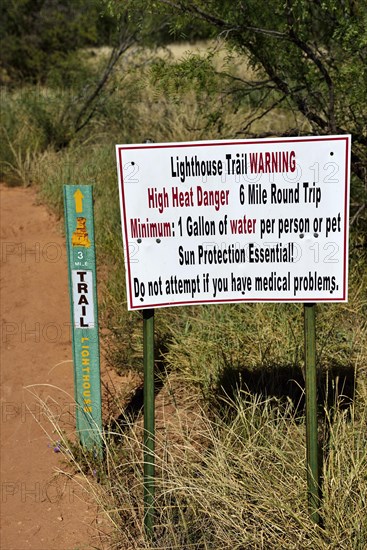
x,y
79,223
313,488
149,428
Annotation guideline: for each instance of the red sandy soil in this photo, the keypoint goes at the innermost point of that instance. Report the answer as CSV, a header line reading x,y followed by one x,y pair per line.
x,y
41,509
44,504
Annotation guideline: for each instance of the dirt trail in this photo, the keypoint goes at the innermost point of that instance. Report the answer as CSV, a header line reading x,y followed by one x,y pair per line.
x,y
40,510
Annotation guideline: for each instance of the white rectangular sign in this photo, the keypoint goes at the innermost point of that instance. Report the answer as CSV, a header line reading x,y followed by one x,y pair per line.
x,y
235,221
83,298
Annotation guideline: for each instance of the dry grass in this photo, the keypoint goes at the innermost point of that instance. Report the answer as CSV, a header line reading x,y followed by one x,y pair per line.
x,y
231,482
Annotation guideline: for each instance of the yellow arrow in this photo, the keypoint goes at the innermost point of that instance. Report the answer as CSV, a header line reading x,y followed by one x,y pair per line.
x,y
78,196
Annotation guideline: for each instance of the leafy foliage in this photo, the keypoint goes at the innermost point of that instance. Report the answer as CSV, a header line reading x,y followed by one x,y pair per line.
x,y
310,56
43,35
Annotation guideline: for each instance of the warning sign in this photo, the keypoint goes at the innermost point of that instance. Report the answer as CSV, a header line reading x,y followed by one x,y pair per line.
x,y
235,221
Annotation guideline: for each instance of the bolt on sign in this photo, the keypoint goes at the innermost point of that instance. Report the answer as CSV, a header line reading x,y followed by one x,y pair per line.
x,y
78,203
235,221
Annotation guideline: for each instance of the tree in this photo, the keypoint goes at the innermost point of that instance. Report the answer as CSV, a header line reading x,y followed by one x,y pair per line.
x,y
312,56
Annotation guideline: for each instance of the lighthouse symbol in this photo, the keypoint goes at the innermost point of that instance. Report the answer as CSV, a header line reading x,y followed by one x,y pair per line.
x,y
80,235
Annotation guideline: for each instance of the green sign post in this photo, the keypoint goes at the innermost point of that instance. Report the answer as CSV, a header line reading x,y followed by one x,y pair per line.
x,y
79,222
149,421
313,479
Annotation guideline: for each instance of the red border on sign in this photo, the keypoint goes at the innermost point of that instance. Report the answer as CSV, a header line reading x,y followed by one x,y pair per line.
x,y
127,258
346,219
222,144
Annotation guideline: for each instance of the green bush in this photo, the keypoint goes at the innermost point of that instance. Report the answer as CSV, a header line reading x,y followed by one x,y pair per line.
x,y
39,37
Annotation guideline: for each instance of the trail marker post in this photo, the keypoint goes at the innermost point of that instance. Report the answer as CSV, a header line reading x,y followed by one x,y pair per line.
x,y
216,222
79,224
